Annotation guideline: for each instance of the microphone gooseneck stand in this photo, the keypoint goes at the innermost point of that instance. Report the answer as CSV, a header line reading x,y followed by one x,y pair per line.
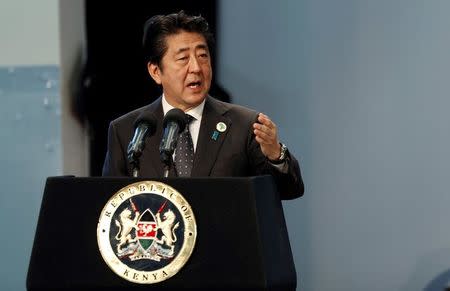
x,y
135,167
167,160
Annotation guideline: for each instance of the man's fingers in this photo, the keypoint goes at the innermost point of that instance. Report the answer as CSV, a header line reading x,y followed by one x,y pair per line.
x,y
259,140
266,135
264,131
265,120
262,137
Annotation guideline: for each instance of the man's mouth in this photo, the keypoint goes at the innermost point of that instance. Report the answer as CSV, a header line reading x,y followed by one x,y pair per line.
x,y
194,85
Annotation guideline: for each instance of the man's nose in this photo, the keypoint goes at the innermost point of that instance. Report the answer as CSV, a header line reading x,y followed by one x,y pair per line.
x,y
194,65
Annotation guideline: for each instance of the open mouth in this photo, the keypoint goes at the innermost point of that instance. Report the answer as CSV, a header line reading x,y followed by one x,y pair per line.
x,y
194,85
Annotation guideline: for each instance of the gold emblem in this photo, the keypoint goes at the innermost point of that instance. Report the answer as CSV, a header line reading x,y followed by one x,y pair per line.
x,y
146,232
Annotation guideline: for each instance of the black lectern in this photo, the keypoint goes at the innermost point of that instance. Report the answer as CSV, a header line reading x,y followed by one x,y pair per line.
x,y
242,241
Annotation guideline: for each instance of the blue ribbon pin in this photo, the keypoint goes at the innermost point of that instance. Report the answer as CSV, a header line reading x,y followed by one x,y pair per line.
x,y
215,135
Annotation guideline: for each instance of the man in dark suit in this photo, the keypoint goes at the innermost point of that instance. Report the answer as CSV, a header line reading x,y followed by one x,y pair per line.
x,y
225,139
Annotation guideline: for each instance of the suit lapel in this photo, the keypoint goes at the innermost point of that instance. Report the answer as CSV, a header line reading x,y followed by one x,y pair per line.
x,y
210,140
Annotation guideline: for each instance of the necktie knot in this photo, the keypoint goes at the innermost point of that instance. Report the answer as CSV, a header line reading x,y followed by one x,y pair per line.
x,y
189,119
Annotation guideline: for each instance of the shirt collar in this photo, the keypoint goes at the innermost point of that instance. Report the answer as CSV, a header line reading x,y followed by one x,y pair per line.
x,y
195,112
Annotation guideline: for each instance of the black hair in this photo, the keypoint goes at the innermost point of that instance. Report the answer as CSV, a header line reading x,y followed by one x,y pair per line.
x,y
159,27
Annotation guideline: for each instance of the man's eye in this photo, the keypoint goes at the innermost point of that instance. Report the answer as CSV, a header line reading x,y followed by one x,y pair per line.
x,y
182,58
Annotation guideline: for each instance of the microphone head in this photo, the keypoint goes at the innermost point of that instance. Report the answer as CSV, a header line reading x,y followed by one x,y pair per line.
x,y
145,125
176,115
147,119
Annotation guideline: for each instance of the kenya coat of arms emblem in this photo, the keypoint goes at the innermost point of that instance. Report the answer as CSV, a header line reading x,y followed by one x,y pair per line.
x,y
146,232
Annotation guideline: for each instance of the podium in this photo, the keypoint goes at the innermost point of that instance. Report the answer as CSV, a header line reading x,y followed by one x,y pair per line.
x,y
242,241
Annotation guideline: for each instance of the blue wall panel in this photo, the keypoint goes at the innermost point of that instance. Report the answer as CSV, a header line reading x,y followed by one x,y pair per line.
x,y
30,151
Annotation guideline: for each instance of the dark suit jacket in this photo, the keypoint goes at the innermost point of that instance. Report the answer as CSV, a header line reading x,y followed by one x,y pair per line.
x,y
234,153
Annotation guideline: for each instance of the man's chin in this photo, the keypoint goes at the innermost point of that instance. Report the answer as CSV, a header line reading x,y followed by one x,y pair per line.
x,y
192,101
196,98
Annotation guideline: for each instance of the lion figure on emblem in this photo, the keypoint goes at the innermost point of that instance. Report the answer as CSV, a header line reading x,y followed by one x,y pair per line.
x,y
167,228
126,225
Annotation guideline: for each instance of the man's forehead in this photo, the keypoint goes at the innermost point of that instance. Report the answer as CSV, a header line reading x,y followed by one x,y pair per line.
x,y
185,48
183,41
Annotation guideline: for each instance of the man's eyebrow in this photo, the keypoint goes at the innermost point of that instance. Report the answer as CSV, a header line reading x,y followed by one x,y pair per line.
x,y
183,49
202,46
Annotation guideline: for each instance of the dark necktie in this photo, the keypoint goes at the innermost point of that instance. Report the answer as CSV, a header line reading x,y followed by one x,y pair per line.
x,y
184,153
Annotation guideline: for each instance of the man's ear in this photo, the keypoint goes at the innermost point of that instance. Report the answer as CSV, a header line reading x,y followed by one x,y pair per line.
x,y
154,72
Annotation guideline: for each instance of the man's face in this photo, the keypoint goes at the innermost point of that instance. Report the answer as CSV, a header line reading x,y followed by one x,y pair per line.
x,y
185,72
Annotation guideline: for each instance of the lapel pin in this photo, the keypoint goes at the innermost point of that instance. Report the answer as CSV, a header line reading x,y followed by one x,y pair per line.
x,y
215,135
221,127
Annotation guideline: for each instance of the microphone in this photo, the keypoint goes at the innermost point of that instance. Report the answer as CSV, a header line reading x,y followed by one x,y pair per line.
x,y
145,125
174,123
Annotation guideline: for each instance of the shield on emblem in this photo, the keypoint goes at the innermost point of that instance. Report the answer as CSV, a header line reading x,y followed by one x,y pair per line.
x,y
146,232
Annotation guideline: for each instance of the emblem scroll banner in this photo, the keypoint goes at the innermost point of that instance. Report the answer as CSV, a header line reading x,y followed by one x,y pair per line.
x,y
146,232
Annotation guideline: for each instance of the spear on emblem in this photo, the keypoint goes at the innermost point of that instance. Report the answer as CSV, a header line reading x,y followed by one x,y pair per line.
x,y
162,207
133,206
136,211
158,219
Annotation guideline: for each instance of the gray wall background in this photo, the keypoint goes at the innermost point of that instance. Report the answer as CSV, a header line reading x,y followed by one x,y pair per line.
x,y
360,92
29,32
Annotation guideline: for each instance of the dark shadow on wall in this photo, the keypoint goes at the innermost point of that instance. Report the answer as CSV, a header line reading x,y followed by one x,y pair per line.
x,y
440,283
114,78
432,271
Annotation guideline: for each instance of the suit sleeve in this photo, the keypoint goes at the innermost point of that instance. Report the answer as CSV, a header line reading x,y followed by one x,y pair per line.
x,y
115,164
290,184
